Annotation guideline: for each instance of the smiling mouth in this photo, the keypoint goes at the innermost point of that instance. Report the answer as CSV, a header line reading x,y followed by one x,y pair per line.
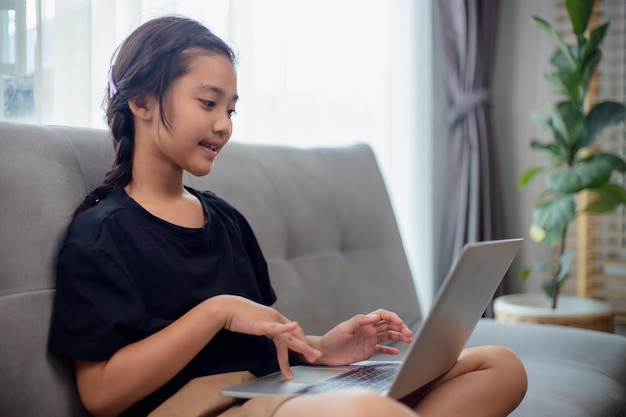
x,y
210,147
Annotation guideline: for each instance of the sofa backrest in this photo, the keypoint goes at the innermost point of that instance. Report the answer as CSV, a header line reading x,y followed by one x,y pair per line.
x,y
322,216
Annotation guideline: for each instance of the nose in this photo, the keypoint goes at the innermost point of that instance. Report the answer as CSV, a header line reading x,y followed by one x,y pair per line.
x,y
223,126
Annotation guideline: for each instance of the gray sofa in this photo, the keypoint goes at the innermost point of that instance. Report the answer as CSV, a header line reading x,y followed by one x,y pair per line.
x,y
326,225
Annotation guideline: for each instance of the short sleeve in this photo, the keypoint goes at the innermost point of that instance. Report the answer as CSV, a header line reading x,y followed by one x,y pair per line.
x,y
96,309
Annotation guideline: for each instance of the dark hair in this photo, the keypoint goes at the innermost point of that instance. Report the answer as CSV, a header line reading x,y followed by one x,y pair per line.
x,y
147,62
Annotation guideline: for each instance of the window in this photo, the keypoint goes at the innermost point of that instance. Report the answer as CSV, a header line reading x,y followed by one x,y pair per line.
x,y
17,38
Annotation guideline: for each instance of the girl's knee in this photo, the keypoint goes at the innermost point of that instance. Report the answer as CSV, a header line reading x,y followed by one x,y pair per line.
x,y
509,362
511,372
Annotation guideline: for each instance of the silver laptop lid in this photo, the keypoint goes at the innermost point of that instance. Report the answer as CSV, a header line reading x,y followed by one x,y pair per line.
x,y
459,305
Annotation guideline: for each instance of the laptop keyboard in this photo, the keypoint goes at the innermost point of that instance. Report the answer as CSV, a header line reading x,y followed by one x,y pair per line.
x,y
377,377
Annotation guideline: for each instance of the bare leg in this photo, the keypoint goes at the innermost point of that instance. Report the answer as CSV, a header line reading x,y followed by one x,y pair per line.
x,y
344,403
488,381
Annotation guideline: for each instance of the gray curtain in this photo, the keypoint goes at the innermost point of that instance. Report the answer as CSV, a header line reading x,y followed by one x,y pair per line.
x,y
467,36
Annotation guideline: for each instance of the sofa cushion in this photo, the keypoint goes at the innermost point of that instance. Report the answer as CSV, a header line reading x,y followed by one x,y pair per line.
x,y
571,372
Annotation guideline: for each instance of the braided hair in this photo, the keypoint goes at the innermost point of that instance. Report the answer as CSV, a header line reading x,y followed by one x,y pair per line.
x,y
147,62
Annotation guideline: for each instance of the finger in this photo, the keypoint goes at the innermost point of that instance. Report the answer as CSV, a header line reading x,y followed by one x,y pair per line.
x,y
286,342
302,346
389,316
400,328
283,362
360,320
299,334
386,350
273,329
298,342
395,336
380,318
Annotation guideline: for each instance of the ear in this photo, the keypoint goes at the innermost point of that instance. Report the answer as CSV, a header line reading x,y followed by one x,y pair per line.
x,y
142,106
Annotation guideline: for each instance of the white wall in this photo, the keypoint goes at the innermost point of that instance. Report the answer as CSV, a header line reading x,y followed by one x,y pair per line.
x,y
523,52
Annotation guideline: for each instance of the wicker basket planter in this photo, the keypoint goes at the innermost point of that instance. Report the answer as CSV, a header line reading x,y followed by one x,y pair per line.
x,y
571,311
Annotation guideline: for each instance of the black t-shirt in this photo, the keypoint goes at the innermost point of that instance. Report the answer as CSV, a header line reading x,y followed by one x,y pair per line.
x,y
124,274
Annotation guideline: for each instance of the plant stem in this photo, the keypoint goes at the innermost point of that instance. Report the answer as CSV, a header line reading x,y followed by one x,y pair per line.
x,y
555,290
556,285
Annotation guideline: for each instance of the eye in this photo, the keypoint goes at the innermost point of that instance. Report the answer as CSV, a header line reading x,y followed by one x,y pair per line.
x,y
231,112
208,103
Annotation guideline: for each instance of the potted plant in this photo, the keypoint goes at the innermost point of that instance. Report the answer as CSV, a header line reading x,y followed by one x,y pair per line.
x,y
574,164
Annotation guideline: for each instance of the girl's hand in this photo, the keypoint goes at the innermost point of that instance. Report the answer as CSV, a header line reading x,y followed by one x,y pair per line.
x,y
360,337
245,316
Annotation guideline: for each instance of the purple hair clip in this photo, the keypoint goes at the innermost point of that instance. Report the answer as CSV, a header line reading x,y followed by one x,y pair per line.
x,y
112,86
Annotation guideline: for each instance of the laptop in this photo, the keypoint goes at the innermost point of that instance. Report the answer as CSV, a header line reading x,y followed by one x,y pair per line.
x,y
436,346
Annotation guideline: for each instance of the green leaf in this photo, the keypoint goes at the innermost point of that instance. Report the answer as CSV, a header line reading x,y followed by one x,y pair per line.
x,y
524,273
528,175
601,206
553,216
596,36
579,13
559,126
592,174
615,161
600,116
548,287
557,152
559,59
557,38
589,66
568,121
608,198
565,82
565,262
539,120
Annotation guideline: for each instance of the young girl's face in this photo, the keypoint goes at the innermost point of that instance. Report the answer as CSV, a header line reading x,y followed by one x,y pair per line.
x,y
198,107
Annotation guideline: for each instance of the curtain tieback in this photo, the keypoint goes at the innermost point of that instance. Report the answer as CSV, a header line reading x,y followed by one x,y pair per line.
x,y
465,102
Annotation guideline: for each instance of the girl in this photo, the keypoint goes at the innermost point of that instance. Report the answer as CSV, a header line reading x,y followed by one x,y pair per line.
x,y
163,293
